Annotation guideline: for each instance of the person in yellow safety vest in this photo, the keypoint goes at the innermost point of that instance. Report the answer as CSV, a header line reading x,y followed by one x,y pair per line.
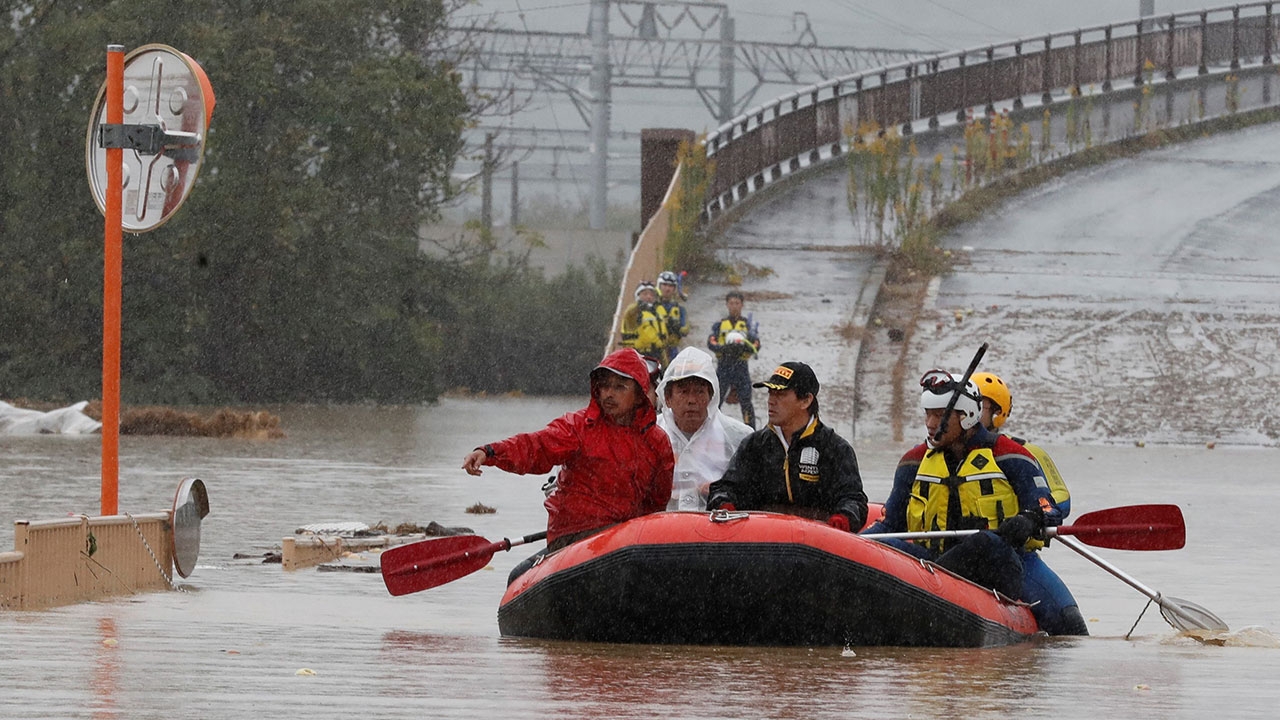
x,y
734,340
642,326
674,318
965,477
997,403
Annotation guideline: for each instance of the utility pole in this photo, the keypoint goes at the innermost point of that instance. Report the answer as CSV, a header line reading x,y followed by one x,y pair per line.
x,y
726,70
515,194
1146,11
600,98
658,46
486,186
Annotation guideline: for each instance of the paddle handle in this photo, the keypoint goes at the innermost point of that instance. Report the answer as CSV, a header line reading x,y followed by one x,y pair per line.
x,y
508,544
951,405
1117,572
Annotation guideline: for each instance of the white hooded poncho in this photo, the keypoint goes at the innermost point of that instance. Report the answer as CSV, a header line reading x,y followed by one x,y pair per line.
x,y
701,458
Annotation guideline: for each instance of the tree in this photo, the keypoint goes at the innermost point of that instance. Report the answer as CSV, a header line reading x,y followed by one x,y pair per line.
x,y
292,270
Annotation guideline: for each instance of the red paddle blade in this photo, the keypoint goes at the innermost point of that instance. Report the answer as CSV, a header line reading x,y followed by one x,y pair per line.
x,y
1132,527
431,563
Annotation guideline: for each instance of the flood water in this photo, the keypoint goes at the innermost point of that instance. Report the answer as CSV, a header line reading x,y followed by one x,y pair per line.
x,y
232,643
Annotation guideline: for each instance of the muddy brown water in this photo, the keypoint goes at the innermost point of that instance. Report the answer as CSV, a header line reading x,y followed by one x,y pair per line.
x,y
233,642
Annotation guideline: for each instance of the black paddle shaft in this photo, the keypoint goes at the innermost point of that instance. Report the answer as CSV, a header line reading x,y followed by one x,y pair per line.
x,y
955,394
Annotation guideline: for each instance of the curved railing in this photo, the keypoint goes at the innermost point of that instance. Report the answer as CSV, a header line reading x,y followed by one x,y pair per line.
x,y
808,127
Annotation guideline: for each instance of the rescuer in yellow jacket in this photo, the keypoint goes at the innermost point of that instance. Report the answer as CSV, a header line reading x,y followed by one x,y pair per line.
x,y
642,326
964,477
675,319
734,340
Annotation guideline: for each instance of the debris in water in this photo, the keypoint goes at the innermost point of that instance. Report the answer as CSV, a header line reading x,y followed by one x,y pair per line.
x,y
110,642
341,528
848,652
343,567
305,671
481,509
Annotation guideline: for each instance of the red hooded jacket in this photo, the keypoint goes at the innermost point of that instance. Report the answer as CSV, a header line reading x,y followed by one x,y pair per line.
x,y
609,472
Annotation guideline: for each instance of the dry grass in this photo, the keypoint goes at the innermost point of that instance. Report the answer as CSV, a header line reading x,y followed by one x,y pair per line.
x,y
223,422
761,295
851,331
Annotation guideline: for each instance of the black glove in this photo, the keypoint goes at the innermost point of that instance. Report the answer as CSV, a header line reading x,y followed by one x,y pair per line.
x,y
970,522
1020,528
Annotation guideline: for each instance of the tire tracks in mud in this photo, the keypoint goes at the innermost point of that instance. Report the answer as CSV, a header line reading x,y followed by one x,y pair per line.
x,y
1083,373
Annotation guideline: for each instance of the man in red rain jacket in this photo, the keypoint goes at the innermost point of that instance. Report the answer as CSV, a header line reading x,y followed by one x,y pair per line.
x,y
616,463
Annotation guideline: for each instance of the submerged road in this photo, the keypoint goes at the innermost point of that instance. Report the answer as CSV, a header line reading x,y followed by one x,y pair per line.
x,y
1129,303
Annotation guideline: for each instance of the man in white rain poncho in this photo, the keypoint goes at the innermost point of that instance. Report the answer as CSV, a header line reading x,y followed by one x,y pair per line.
x,y
702,438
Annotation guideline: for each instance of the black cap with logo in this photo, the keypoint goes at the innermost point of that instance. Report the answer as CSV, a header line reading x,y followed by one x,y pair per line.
x,y
792,376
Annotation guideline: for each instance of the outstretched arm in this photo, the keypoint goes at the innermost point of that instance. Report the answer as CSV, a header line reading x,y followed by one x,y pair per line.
x,y
474,459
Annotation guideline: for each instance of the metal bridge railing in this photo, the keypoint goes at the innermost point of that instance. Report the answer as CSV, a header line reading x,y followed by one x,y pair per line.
x,y
807,127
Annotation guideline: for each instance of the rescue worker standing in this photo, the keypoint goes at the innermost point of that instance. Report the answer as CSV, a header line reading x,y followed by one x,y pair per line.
x,y
642,326
675,320
1051,601
703,438
734,341
964,477
796,464
616,463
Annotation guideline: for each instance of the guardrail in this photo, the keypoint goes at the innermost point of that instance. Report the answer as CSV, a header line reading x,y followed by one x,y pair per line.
x,y
69,560
808,127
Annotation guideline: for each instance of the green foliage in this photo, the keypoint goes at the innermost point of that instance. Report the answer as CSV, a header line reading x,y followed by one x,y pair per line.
x,y
687,246
515,329
292,272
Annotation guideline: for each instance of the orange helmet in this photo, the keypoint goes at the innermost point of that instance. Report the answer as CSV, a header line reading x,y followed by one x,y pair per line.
x,y
994,389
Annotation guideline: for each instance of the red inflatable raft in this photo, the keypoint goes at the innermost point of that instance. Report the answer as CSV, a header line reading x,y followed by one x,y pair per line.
x,y
751,579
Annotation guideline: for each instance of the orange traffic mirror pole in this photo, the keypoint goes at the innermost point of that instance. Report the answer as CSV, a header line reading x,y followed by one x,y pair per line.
x,y
113,261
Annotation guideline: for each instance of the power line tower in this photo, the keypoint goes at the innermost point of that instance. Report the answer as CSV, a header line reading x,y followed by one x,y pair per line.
x,y
663,45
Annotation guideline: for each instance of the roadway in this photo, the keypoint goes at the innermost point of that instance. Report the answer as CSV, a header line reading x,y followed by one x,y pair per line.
x,y
1129,303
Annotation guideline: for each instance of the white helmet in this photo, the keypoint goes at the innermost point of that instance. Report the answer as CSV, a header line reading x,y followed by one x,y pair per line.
x,y
734,337
645,285
666,277
938,387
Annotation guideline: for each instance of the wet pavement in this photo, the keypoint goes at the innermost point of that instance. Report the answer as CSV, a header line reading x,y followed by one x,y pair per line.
x,y
1128,303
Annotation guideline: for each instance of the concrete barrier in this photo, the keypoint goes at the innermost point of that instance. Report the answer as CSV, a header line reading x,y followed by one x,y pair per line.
x,y
74,559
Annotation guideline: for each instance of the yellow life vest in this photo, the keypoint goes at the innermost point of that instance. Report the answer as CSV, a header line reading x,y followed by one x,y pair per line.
x,y
983,490
643,329
674,322
1057,486
743,350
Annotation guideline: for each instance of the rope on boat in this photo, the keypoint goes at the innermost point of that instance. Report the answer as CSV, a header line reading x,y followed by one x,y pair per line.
x,y
1135,622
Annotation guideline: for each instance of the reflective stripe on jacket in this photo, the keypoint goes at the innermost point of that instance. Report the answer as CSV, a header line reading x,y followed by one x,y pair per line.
x,y
732,352
819,471
643,329
982,488
1015,462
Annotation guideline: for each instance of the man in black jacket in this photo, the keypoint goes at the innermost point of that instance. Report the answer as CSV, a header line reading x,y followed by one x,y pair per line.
x,y
795,465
